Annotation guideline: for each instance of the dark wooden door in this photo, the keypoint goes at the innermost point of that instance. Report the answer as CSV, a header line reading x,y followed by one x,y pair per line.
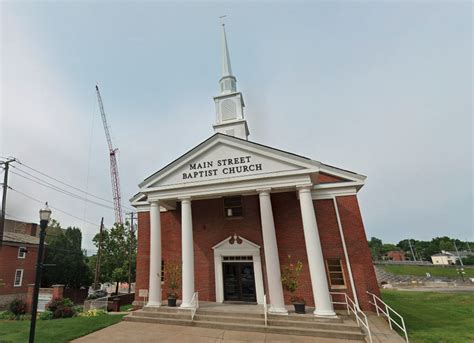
x,y
239,282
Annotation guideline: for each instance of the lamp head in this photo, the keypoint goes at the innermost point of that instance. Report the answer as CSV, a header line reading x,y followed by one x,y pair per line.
x,y
45,213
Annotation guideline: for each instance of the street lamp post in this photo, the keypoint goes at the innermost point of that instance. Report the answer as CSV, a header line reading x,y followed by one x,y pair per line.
x,y
45,214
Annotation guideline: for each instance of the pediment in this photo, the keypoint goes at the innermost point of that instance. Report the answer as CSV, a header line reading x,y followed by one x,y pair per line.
x,y
235,243
222,158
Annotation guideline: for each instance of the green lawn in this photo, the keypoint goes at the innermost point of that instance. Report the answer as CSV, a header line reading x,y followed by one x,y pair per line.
x,y
57,330
433,317
125,308
422,270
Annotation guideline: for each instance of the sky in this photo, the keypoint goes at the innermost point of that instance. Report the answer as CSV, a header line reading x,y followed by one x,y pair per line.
x,y
380,88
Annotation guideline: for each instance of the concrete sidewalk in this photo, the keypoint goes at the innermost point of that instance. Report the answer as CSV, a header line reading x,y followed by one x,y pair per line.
x,y
148,333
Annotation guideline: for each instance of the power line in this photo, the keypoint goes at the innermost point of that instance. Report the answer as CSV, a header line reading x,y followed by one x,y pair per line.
x,y
66,184
60,190
57,209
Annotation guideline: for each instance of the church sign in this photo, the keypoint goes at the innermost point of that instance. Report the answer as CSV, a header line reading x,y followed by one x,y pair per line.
x,y
221,167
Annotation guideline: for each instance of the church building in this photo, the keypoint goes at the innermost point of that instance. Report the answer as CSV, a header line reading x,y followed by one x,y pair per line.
x,y
231,211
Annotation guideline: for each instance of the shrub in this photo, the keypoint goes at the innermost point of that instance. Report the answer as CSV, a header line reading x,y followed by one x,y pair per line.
x,y
17,307
92,313
61,308
24,317
7,315
173,277
46,315
78,309
290,275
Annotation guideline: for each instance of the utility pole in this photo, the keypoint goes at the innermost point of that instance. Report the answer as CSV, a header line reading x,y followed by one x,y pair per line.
x,y
468,247
131,232
97,262
4,197
411,248
457,252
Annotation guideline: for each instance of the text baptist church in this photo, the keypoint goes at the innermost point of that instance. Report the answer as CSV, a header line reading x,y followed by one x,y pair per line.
x,y
206,168
230,211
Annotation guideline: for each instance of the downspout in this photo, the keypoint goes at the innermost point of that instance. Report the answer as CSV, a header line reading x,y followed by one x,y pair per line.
x,y
346,255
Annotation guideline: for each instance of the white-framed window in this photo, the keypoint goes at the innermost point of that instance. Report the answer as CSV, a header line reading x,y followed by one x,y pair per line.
x,y
21,252
336,273
18,278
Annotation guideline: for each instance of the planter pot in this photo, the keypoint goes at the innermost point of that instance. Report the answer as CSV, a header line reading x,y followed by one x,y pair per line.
x,y
172,302
299,308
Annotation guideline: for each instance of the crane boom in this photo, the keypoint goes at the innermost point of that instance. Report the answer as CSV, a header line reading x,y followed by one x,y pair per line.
x,y
114,174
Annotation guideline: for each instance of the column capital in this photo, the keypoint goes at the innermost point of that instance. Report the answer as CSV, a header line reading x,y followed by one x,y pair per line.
x,y
185,199
302,188
263,190
154,202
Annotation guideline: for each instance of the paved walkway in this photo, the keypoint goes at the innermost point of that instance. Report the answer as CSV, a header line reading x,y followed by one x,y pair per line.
x,y
148,333
381,332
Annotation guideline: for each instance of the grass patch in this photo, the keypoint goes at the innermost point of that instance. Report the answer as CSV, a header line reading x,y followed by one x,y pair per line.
x,y
433,317
57,330
125,308
422,270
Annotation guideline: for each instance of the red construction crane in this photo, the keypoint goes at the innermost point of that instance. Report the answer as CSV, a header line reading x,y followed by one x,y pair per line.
x,y
114,174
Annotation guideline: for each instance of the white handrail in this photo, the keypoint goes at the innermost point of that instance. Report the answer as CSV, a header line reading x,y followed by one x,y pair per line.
x,y
386,312
194,304
361,317
265,315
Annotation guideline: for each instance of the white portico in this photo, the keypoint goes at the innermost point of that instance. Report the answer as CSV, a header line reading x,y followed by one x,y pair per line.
x,y
223,166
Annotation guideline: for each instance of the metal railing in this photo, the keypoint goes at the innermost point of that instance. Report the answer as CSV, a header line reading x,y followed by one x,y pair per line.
x,y
360,316
194,304
382,307
265,314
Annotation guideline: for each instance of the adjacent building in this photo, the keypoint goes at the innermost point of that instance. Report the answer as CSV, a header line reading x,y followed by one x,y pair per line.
x,y
18,254
395,255
231,211
445,258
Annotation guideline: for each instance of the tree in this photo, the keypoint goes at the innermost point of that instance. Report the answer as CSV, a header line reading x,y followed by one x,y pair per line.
x,y
115,254
68,263
375,245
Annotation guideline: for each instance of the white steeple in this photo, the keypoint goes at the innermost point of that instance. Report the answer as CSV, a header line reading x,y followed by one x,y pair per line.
x,y
230,103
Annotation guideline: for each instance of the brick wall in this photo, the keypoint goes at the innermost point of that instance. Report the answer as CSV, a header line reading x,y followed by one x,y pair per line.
x,y
9,262
211,227
358,250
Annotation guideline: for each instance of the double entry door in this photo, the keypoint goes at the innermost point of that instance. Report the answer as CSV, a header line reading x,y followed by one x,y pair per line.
x,y
239,282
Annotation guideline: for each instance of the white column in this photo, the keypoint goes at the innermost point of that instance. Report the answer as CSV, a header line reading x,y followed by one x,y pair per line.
x,y
154,292
187,252
272,262
317,269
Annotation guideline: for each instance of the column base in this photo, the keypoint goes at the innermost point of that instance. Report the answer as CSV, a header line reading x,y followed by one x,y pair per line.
x,y
278,311
153,304
186,305
324,313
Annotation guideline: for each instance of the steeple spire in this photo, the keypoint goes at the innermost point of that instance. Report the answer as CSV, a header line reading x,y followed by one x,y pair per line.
x,y
227,81
226,66
229,103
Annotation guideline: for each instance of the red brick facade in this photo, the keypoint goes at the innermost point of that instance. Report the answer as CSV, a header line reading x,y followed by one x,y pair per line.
x,y
9,263
211,227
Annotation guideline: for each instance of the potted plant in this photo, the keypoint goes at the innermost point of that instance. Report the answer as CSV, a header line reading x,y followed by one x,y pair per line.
x,y
290,278
173,279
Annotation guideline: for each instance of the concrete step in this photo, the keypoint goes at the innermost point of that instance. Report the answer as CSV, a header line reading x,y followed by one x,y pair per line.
x,y
299,317
157,314
178,313
315,325
339,332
